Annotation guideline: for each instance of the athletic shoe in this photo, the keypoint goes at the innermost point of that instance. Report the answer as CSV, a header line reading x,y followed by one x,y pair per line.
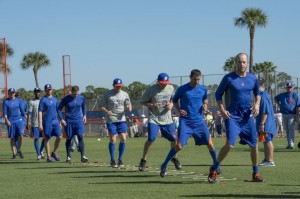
x,y
290,147
68,160
78,149
20,154
14,156
142,165
120,163
257,178
212,176
39,157
299,145
42,155
50,160
163,171
177,163
84,159
113,164
55,156
266,163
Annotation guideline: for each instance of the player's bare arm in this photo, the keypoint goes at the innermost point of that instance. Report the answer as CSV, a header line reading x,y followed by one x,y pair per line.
x,y
255,108
106,111
40,121
225,114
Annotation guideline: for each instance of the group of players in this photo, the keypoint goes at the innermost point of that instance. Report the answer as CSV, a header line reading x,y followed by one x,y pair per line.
x,y
45,117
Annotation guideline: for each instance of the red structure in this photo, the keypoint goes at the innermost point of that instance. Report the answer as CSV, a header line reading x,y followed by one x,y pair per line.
x,y
3,60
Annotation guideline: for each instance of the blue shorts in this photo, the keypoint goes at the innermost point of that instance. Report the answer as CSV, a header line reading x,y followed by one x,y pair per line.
x,y
167,131
246,130
16,129
74,128
52,129
116,128
198,130
36,134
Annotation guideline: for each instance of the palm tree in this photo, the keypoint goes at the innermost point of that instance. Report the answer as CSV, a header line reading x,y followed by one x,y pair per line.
x,y
230,65
267,69
251,17
9,53
282,78
37,60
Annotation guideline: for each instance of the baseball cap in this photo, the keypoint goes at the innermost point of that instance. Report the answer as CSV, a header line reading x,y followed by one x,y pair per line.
x,y
117,82
48,87
37,89
163,78
11,90
289,84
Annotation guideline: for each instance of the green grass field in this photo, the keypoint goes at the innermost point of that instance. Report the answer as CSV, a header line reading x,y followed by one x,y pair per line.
x,y
29,178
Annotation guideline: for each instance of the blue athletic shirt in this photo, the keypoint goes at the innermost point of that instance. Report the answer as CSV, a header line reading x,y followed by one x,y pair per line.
x,y
48,106
240,91
75,108
288,102
24,106
13,109
191,101
266,107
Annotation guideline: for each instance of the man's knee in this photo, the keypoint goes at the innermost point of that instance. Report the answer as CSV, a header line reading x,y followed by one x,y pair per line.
x,y
178,147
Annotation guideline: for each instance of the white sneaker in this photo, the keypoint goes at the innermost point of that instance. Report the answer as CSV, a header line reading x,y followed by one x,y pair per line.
x,y
42,155
68,160
84,159
39,157
265,163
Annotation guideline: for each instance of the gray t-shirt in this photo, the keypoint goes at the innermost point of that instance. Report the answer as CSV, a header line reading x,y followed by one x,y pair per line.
x,y
116,103
33,106
154,94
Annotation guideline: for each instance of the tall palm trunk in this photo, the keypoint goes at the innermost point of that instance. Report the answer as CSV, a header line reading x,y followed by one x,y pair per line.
x,y
251,49
35,77
267,81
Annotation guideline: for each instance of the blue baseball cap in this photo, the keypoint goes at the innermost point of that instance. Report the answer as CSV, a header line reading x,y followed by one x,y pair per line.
x,y
117,82
163,78
289,85
37,89
48,87
11,90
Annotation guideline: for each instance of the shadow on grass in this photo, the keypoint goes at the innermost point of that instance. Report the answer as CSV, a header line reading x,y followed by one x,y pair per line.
x,y
77,172
285,185
116,176
20,162
208,165
239,196
286,150
152,182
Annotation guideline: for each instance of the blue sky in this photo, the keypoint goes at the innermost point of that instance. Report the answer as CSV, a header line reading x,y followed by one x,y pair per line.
x,y
135,40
